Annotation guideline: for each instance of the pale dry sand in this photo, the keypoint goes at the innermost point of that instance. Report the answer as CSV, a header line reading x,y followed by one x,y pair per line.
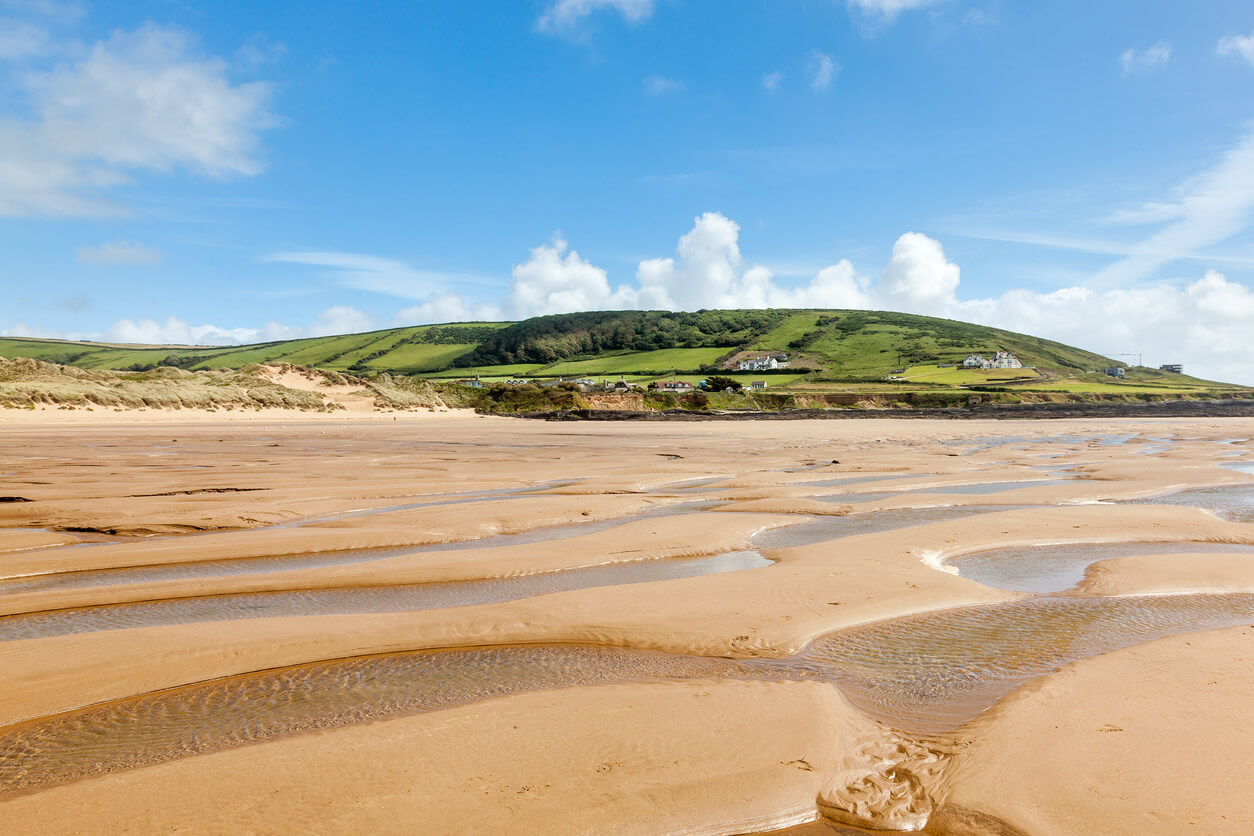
x,y
650,757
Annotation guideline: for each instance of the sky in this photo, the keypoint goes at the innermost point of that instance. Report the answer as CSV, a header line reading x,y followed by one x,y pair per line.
x,y
178,171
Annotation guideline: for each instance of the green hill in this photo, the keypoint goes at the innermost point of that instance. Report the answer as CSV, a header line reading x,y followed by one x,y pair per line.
x,y
829,350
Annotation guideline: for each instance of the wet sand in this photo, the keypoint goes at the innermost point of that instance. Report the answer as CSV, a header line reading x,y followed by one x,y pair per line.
x,y
450,624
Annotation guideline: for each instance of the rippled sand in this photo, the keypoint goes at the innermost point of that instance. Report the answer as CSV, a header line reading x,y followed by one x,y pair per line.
x,y
487,625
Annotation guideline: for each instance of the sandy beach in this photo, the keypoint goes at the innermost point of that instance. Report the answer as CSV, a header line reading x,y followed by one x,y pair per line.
x,y
439,622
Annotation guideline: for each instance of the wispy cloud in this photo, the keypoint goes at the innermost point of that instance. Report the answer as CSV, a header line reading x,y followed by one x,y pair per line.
x,y
376,274
656,85
567,17
119,252
1158,55
823,69
1240,45
771,81
19,39
888,9
1213,207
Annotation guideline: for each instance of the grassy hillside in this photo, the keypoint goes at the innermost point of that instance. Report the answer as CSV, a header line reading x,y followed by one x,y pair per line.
x,y
830,350
406,350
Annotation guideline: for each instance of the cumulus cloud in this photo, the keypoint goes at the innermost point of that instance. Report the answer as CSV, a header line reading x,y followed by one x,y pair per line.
x,y
1204,324
565,17
1157,55
1241,46
141,101
771,81
119,252
918,277
823,69
555,281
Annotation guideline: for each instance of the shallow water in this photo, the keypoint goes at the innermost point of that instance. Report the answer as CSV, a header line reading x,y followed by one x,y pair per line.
x,y
992,487
833,528
363,599
931,672
284,563
923,673
1231,502
1057,568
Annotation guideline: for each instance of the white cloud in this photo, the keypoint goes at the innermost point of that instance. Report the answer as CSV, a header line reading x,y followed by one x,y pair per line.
x,y
888,9
556,281
1239,45
339,319
564,17
656,85
119,252
823,68
918,278
771,81
446,307
175,331
1205,325
141,101
1157,55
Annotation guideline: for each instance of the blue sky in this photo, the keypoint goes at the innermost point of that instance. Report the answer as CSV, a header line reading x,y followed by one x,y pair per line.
x,y
213,173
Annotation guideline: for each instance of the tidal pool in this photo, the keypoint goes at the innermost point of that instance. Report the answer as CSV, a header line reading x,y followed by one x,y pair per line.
x,y
924,673
1231,502
284,563
1056,568
824,529
363,599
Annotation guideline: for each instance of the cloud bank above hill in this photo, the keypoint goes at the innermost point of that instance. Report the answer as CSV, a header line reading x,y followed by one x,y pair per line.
x,y
1202,322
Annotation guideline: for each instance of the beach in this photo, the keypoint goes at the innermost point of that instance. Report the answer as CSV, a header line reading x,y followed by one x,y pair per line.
x,y
441,622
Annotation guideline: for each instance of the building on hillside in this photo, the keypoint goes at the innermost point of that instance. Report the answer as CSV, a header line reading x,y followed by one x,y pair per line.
x,y
760,364
1006,360
757,384
1174,368
975,361
674,386
620,385
781,360
515,381
1116,371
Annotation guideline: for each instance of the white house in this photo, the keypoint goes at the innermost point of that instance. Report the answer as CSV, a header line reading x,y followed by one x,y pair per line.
x,y
759,364
975,361
1006,360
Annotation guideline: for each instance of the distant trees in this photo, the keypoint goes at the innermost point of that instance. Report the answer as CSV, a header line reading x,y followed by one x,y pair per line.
x,y
719,383
546,339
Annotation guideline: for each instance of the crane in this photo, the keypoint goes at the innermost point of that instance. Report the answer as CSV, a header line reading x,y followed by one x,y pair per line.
x,y
1137,356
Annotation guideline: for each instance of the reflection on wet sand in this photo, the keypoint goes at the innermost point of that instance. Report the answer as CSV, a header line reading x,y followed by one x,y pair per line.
x,y
1060,567
364,599
924,674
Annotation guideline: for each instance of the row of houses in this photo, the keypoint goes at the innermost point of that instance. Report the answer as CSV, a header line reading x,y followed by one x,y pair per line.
x,y
588,385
